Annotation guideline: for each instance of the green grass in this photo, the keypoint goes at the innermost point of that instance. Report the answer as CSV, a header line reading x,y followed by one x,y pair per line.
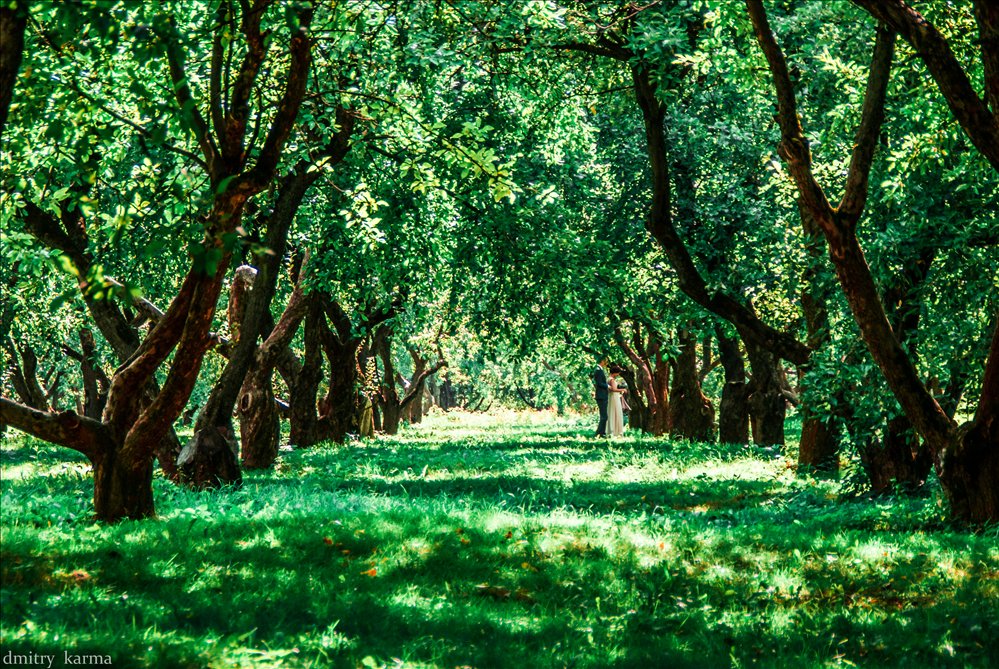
x,y
509,541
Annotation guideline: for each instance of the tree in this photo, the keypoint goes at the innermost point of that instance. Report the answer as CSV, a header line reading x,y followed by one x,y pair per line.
x,y
966,457
121,445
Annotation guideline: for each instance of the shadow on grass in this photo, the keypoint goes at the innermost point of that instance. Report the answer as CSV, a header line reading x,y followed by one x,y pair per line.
x,y
370,566
389,596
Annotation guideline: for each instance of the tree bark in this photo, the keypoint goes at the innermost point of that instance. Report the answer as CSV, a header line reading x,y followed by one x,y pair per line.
x,y
896,463
205,463
95,381
24,376
899,461
691,413
217,412
304,417
818,448
68,234
394,407
651,379
767,404
733,410
259,419
660,224
339,405
966,457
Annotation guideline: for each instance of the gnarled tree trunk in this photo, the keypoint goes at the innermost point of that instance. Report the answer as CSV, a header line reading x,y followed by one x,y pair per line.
x,y
897,462
122,445
304,418
393,407
216,416
259,419
210,458
691,413
650,380
767,404
733,410
966,457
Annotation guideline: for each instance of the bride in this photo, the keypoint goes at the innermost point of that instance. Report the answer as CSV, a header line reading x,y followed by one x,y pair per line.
x,y
615,409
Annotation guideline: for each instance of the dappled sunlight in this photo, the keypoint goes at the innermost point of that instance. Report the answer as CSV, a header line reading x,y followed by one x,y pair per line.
x,y
425,547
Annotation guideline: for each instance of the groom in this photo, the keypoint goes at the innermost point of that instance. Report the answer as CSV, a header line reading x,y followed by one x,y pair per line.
x,y
600,393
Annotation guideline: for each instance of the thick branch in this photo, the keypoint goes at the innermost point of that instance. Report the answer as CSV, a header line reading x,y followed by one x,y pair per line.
x,y
794,148
660,224
279,338
873,115
218,63
65,429
157,418
618,53
852,269
287,111
189,106
419,379
981,125
641,364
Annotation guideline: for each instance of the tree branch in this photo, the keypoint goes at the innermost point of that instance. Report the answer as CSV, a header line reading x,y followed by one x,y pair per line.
x,y
65,429
189,106
284,120
873,115
981,125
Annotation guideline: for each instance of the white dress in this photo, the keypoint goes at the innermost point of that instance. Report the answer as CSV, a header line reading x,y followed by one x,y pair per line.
x,y
615,412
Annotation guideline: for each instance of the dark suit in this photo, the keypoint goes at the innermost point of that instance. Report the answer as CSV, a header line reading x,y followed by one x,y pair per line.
x,y
601,393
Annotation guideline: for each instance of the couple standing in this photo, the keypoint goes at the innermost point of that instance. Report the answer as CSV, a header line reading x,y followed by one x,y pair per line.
x,y
610,399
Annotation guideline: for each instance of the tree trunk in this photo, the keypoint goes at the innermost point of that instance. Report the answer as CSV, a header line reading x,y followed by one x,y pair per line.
x,y
122,488
391,416
209,468
95,381
259,420
900,461
123,444
304,418
767,405
691,413
733,411
897,463
339,408
24,377
970,473
818,448
639,416
416,409
650,379
209,460
447,399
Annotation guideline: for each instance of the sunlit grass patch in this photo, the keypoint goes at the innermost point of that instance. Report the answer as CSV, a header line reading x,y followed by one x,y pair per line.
x,y
496,542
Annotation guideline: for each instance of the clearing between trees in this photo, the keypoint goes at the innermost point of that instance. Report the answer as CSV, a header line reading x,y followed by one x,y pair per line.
x,y
499,540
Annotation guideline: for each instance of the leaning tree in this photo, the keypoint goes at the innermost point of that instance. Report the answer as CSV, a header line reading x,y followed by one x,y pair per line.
x,y
237,144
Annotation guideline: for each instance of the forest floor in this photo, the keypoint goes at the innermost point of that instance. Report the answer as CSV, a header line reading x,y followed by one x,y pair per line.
x,y
495,541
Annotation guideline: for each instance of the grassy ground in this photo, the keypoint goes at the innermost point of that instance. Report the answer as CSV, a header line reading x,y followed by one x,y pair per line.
x,y
495,542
